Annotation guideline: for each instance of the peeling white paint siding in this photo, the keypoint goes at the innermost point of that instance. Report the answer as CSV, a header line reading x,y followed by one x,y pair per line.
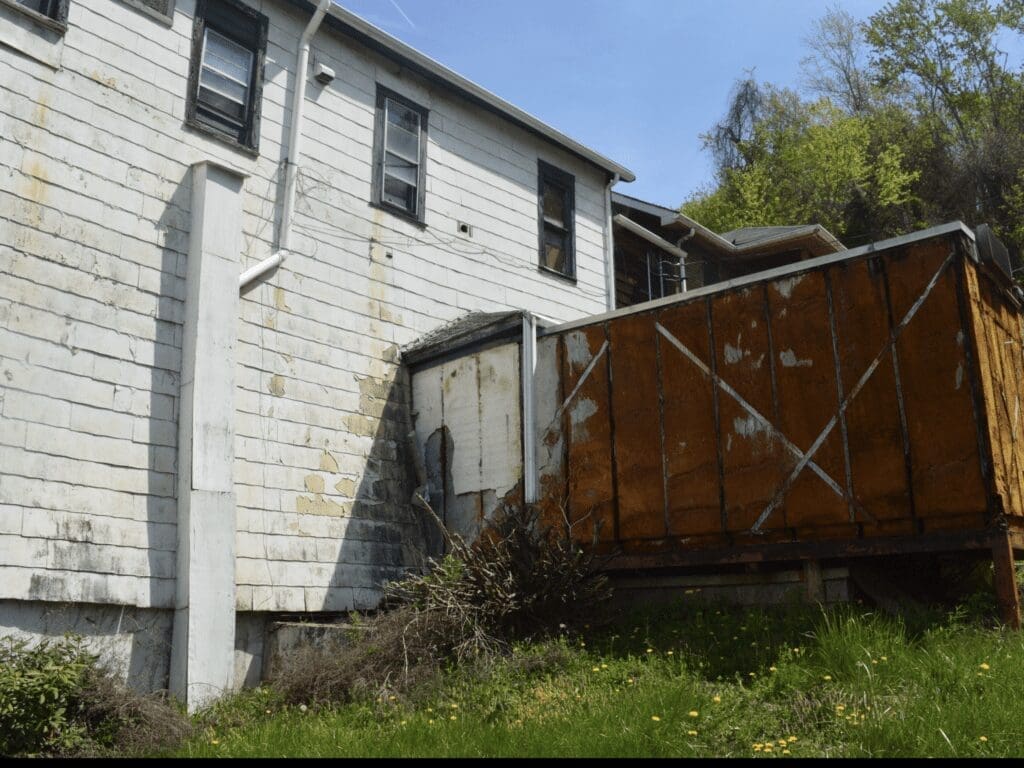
x,y
473,402
95,211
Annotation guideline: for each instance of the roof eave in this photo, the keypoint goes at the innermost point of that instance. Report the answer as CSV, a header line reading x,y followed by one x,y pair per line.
x,y
376,39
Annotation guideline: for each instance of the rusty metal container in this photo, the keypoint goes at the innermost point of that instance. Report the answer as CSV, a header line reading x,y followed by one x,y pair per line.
x,y
861,403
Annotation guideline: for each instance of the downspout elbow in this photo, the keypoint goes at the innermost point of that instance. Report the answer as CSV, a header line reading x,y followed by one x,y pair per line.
x,y
294,151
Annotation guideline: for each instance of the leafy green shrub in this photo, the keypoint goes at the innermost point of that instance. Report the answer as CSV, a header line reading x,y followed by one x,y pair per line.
x,y
39,689
55,699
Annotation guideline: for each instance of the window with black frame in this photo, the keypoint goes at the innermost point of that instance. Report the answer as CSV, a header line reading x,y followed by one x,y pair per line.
x,y
400,142
226,76
52,9
556,205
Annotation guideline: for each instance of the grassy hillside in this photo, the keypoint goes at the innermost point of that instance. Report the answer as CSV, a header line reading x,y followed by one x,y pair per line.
x,y
688,680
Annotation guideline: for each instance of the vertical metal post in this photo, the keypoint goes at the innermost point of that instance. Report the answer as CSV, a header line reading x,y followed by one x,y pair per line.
x,y
1005,581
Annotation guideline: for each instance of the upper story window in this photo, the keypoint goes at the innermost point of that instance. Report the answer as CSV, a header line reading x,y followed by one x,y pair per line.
x,y
400,154
556,206
51,9
229,41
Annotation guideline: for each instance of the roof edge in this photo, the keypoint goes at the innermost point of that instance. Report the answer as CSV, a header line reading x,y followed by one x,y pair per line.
x,y
375,38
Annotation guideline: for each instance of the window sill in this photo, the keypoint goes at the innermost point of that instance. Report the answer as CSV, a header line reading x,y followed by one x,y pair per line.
x,y
399,213
213,133
38,18
555,273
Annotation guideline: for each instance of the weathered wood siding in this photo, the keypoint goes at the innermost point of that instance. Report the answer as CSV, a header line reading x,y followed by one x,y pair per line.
x,y
94,227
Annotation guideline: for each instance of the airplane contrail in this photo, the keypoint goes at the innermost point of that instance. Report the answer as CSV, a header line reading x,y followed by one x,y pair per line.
x,y
404,14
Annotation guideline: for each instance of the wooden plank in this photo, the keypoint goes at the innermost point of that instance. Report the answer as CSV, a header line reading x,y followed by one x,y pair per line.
x,y
501,459
633,355
945,465
754,459
691,452
589,434
878,469
461,392
808,398
552,488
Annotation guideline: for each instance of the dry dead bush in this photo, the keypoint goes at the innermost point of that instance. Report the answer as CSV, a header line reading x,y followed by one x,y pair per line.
x,y
520,580
123,722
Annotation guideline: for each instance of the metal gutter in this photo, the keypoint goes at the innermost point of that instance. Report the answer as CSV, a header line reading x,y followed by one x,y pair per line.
x,y
528,370
376,39
646,234
769,274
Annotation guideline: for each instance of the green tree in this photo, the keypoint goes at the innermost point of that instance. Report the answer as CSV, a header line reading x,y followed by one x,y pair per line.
x,y
807,162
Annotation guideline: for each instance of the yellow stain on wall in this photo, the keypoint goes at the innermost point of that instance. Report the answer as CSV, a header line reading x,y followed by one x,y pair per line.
x,y
328,463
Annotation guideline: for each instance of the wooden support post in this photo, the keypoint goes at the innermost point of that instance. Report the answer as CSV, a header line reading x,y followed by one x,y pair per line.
x,y
814,581
1005,580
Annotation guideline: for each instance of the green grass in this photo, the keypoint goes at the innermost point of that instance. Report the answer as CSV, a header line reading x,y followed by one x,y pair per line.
x,y
689,680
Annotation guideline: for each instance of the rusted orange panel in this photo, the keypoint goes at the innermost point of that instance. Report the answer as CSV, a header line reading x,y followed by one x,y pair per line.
x,y
691,442
637,422
754,459
807,391
945,466
588,432
875,436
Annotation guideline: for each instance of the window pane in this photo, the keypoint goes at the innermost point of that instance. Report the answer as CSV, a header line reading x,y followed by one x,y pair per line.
x,y
229,89
403,117
554,204
39,6
400,169
554,255
402,142
224,110
397,192
227,57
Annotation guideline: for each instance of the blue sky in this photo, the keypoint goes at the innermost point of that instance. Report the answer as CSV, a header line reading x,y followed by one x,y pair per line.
x,y
638,81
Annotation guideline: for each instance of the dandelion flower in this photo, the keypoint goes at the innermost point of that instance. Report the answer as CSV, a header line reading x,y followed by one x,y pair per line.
x,y
268,711
454,706
983,738
630,681
782,742
453,717
670,653
596,669
752,674
840,707
983,665
694,713
827,678
773,669
884,658
604,666
757,747
402,723
786,752
655,718
650,650
431,721
303,708
768,747
716,699
691,733
874,661
217,741
791,739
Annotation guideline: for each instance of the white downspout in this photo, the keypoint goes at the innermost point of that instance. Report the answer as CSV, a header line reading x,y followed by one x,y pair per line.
x,y
609,246
294,150
528,368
